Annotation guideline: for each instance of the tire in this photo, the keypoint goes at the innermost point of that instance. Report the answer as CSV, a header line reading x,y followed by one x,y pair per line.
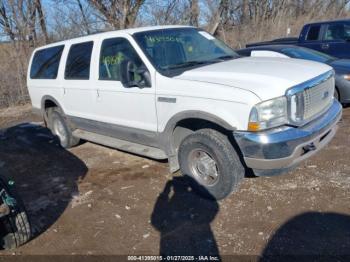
x,y
59,127
15,229
211,163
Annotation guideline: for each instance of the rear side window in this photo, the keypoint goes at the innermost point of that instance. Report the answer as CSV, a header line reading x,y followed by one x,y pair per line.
x,y
78,61
45,63
313,33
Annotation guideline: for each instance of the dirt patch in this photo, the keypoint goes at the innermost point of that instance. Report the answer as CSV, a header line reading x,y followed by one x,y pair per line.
x,y
96,200
17,114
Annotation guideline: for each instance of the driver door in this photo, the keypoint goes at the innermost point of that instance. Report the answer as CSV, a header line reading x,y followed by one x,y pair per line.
x,y
120,109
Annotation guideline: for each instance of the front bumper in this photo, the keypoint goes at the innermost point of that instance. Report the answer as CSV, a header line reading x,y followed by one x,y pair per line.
x,y
283,148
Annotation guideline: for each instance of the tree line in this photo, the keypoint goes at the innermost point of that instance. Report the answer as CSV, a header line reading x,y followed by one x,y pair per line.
x,y
26,24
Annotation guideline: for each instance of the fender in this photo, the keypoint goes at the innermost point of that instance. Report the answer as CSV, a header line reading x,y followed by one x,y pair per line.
x,y
167,133
48,97
197,115
43,113
166,136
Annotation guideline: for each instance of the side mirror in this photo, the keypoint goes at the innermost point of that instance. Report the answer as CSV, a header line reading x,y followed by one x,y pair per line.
x,y
132,76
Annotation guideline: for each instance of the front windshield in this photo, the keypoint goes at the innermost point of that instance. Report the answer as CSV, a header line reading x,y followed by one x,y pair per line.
x,y
308,54
179,49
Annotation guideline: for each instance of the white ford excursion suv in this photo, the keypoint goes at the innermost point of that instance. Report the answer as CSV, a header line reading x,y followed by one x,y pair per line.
x,y
180,94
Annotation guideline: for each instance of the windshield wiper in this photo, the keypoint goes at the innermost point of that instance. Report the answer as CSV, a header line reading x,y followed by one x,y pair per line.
x,y
194,63
188,64
225,57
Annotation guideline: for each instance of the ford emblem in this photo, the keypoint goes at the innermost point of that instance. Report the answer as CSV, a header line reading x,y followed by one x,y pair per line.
x,y
325,95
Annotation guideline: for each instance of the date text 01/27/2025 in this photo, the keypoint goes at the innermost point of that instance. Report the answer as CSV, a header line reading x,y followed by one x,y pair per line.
x,y
173,258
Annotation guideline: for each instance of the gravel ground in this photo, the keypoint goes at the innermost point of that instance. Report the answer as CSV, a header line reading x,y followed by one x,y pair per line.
x,y
96,200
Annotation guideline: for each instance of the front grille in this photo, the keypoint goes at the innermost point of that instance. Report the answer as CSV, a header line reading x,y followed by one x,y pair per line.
x,y
318,98
309,99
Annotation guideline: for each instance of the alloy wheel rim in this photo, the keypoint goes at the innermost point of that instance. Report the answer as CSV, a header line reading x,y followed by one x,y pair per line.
x,y
60,131
203,167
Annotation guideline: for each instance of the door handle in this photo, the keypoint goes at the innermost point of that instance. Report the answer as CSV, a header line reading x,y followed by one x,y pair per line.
x,y
98,95
325,46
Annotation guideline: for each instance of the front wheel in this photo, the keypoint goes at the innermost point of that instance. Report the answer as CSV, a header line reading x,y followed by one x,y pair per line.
x,y
208,158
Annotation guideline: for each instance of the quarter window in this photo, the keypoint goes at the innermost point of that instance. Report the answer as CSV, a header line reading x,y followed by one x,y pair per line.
x,y
113,52
313,33
45,63
78,61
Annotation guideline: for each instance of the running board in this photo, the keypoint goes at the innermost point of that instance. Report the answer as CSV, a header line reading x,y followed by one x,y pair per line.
x,y
123,145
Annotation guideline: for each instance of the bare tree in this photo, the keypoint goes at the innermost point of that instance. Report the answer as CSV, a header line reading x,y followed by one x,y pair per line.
x,y
118,13
217,19
42,20
23,22
165,12
83,15
5,22
194,15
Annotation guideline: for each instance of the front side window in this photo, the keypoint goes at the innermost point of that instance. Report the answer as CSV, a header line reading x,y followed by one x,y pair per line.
x,y
78,61
338,32
114,52
313,33
177,49
45,63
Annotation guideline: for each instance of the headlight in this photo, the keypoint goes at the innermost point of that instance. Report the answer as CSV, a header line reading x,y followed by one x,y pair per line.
x,y
268,114
347,77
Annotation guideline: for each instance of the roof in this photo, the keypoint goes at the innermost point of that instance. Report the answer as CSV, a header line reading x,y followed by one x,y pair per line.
x,y
150,28
129,31
329,21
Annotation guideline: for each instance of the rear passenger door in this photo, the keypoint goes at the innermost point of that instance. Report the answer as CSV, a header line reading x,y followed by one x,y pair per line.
x,y
77,86
120,108
336,40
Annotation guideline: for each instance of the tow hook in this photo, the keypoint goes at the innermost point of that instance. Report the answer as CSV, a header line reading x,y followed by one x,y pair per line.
x,y
309,147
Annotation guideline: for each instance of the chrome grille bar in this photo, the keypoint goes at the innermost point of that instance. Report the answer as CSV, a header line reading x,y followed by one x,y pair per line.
x,y
308,100
317,98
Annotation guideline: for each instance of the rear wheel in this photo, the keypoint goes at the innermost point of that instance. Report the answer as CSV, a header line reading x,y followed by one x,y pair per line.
x,y
59,127
208,158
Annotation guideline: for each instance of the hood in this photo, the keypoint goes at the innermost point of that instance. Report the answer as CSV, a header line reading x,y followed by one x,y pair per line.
x,y
266,77
342,65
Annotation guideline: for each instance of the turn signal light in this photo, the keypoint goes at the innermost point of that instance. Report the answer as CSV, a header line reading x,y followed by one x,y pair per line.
x,y
253,126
